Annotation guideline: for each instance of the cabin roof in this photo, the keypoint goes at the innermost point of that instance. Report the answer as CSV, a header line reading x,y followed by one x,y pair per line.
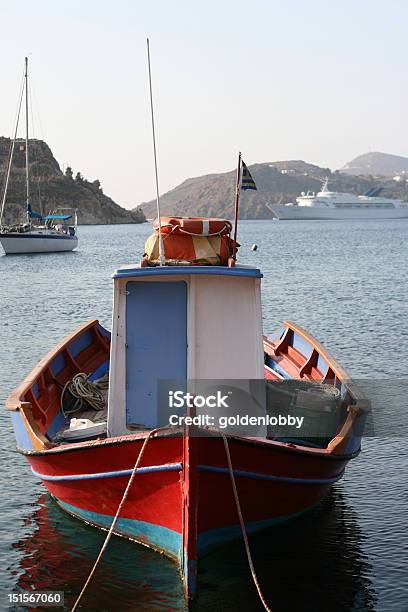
x,y
241,270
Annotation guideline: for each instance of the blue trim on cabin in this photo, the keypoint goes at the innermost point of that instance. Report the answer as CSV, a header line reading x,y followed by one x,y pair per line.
x,y
208,540
22,438
257,476
167,467
157,536
177,270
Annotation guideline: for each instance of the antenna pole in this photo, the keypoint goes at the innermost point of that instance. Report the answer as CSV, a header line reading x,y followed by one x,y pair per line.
x,y
237,192
161,246
26,138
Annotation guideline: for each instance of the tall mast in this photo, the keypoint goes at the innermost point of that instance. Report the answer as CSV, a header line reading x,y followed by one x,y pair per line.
x,y
161,246
26,138
10,158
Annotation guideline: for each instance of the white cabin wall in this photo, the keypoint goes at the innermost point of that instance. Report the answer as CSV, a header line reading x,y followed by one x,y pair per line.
x,y
117,366
228,328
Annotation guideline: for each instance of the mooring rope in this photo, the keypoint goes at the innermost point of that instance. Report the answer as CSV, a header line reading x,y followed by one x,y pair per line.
x,y
124,497
115,519
242,524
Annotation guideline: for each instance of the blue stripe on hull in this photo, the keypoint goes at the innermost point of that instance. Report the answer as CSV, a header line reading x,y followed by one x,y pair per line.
x,y
155,536
149,469
257,476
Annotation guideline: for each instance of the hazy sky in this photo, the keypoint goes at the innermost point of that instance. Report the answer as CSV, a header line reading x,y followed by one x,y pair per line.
x,y
316,80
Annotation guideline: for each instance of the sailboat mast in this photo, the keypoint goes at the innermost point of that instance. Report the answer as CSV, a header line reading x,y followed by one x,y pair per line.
x,y
10,158
26,138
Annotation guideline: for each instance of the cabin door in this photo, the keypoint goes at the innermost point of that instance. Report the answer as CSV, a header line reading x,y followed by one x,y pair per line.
x,y
156,344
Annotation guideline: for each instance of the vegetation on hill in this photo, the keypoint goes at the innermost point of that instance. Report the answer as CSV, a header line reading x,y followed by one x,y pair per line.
x,y
52,189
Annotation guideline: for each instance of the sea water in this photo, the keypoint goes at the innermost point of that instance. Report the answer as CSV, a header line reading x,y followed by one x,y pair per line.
x,y
345,282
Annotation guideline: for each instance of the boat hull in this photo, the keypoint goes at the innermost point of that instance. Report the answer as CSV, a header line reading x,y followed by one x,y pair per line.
x,y
181,502
152,512
314,213
26,243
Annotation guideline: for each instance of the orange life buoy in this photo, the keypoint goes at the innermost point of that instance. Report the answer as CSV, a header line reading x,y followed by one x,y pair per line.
x,y
193,226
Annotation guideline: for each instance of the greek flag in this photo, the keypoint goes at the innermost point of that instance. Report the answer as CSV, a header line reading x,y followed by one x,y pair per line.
x,y
247,182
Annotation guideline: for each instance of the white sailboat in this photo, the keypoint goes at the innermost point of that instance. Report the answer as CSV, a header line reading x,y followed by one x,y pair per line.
x,y
38,233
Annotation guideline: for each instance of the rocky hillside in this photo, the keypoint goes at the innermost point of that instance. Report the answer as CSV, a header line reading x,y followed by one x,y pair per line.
x,y
51,188
377,164
213,194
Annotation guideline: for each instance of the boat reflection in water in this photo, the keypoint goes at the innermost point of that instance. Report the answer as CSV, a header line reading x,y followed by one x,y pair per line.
x,y
311,564
60,553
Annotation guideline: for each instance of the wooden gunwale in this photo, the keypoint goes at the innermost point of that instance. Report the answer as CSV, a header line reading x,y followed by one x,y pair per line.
x,y
176,433
17,399
333,364
359,404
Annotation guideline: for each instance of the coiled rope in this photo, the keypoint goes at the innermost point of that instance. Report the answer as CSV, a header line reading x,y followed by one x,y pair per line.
x,y
242,524
93,393
115,519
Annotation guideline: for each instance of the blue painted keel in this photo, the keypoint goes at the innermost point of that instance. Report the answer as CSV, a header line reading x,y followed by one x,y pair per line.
x,y
157,537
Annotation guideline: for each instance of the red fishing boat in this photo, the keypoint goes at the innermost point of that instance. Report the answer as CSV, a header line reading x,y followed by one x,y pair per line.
x,y
196,318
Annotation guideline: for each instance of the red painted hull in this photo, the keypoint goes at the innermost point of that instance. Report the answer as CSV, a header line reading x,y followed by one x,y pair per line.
x,y
155,498
181,501
187,505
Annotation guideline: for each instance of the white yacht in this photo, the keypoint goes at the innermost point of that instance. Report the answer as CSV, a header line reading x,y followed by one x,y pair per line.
x,y
37,233
328,204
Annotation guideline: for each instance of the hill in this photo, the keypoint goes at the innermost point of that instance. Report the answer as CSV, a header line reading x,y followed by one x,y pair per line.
x,y
281,181
376,164
51,188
